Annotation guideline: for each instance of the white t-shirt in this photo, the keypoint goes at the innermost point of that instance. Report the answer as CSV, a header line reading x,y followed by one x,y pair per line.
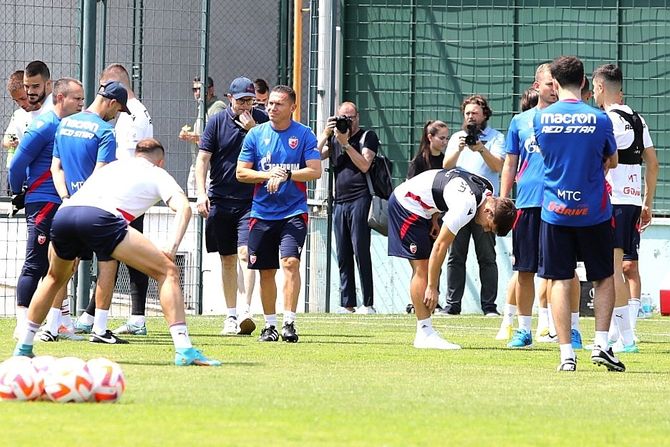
x,y
126,188
18,124
416,196
626,180
132,128
47,105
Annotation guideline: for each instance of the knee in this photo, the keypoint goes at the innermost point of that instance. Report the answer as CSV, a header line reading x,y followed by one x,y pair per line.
x,y
229,262
629,269
291,265
243,254
171,272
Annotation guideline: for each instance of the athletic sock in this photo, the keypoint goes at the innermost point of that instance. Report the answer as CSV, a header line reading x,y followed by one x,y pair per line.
x,y
231,312
21,315
525,322
27,336
53,320
508,314
613,334
289,317
600,340
623,323
65,317
633,310
550,318
246,309
86,318
270,320
425,326
574,321
542,318
567,352
100,321
179,333
137,320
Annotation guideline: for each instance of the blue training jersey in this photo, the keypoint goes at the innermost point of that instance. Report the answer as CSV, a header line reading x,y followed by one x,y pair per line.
x,y
82,140
32,160
223,139
266,148
530,171
574,139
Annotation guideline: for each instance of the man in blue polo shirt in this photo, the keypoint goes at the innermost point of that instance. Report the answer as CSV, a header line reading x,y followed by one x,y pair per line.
x,y
86,142
31,165
279,157
578,146
227,206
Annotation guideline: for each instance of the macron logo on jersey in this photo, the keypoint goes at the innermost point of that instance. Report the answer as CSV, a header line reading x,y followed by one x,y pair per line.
x,y
568,122
79,129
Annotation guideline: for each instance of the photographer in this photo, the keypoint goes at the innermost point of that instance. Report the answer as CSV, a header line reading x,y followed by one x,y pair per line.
x,y
341,141
478,149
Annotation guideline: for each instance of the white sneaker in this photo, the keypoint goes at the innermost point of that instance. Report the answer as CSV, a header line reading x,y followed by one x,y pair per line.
x,y
505,332
67,333
230,326
432,341
541,332
366,310
547,338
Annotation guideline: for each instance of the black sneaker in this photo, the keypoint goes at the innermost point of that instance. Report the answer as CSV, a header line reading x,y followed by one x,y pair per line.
x,y
47,336
269,333
108,337
568,365
288,333
607,359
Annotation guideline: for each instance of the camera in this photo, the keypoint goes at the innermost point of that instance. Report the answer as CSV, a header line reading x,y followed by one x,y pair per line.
x,y
471,134
343,123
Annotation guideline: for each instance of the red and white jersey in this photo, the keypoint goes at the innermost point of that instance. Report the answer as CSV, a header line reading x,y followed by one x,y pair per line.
x,y
132,128
626,180
416,196
126,188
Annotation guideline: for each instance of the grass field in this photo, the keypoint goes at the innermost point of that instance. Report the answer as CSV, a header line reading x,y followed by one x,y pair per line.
x,y
357,381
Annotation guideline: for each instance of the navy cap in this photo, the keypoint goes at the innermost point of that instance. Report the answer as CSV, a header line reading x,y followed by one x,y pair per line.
x,y
115,90
242,88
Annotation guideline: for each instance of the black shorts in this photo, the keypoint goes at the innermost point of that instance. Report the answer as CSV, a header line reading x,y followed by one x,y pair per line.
x,y
39,216
77,231
269,237
227,228
561,246
627,230
526,239
409,233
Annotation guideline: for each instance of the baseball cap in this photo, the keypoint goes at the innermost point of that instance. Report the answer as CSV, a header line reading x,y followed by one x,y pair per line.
x,y
242,88
115,90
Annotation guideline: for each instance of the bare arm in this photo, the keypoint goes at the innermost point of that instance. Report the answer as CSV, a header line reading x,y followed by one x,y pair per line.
x,y
201,165
245,173
508,174
362,160
58,176
323,147
180,205
437,255
650,179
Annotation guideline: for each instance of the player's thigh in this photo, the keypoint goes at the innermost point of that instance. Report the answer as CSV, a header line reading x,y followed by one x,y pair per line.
x,y
140,253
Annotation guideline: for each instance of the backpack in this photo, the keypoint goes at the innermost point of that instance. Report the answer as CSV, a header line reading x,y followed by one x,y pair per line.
x,y
379,173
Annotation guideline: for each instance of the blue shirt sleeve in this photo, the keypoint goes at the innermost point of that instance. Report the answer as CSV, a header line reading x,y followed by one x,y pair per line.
x,y
248,152
31,145
512,139
311,152
107,147
209,135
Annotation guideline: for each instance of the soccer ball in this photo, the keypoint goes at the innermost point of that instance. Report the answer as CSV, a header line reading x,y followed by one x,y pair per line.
x,y
68,380
42,364
108,380
19,380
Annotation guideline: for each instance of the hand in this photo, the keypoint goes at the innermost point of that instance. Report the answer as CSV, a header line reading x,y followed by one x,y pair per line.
x,y
645,218
434,229
18,202
461,143
330,127
477,147
273,184
202,204
170,252
430,298
342,138
245,121
13,142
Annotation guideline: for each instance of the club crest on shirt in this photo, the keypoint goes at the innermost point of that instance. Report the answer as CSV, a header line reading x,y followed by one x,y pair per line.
x,y
412,248
41,239
293,142
252,259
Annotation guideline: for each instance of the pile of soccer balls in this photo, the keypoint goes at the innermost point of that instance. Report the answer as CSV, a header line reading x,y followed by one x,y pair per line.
x,y
67,379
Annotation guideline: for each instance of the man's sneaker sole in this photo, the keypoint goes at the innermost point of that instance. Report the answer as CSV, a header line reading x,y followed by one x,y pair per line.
x,y
108,338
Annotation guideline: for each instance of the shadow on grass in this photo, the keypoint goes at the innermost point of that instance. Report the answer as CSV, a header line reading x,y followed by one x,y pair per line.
x,y
168,363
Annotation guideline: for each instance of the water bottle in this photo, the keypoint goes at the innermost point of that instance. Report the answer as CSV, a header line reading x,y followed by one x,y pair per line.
x,y
646,307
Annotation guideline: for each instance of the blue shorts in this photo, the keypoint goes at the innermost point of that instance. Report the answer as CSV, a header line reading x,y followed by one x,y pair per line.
x,y
627,230
267,237
77,231
227,228
39,216
409,233
561,246
526,239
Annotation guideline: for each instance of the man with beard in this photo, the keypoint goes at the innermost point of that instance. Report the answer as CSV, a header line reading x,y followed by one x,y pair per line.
x,y
38,85
481,153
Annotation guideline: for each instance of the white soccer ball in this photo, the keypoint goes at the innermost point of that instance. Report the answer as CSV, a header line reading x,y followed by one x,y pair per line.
x,y
108,380
19,380
68,380
42,364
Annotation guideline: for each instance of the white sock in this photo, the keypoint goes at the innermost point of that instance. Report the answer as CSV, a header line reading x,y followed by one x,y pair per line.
x,y
601,340
623,323
53,320
179,333
524,322
100,321
86,318
550,315
246,309
270,320
425,326
633,310
542,318
574,321
508,314
137,320
27,336
289,317
567,352
613,334
65,317
232,312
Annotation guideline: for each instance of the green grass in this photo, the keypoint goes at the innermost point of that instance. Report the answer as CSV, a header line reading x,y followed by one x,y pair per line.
x,y
357,381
